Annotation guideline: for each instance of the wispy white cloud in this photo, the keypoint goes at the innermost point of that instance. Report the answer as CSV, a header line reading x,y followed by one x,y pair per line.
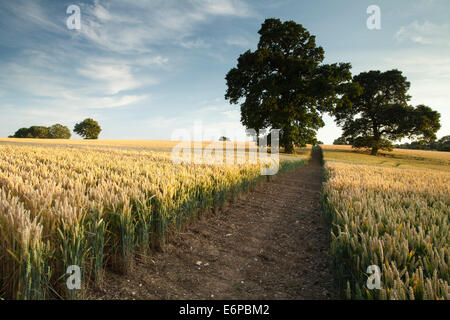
x,y
238,41
195,44
103,87
147,23
56,90
224,7
151,61
111,101
421,65
30,14
116,78
426,33
121,39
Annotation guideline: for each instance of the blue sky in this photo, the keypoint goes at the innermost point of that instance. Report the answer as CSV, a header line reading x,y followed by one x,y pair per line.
x,y
144,69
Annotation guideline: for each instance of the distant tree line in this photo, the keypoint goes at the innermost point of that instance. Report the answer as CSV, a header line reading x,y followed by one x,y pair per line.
x,y
56,131
440,145
88,129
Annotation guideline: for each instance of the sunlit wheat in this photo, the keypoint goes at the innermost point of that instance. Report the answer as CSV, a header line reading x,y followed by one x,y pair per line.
x,y
397,219
97,207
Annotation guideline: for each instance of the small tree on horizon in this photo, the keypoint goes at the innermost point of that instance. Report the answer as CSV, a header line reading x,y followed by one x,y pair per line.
x,y
89,129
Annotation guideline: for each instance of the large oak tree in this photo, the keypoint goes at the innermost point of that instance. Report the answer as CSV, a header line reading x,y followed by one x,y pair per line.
x,y
378,113
283,84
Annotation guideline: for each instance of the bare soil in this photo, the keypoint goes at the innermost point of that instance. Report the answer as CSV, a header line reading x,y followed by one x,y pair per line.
x,y
270,244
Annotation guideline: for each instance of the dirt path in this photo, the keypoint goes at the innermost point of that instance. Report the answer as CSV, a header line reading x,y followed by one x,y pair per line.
x,y
271,245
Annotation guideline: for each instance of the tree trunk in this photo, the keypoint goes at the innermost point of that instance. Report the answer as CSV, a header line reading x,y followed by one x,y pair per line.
x,y
289,148
374,151
377,138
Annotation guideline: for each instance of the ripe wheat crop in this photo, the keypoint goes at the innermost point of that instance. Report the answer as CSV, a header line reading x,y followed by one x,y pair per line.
x,y
97,207
397,219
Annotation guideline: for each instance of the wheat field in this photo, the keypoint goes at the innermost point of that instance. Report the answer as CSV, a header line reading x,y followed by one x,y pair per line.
x,y
103,204
97,206
396,219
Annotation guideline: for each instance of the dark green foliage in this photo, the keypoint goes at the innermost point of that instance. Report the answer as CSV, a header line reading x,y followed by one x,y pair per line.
x,y
56,131
341,141
284,85
38,132
441,145
88,129
22,133
378,113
